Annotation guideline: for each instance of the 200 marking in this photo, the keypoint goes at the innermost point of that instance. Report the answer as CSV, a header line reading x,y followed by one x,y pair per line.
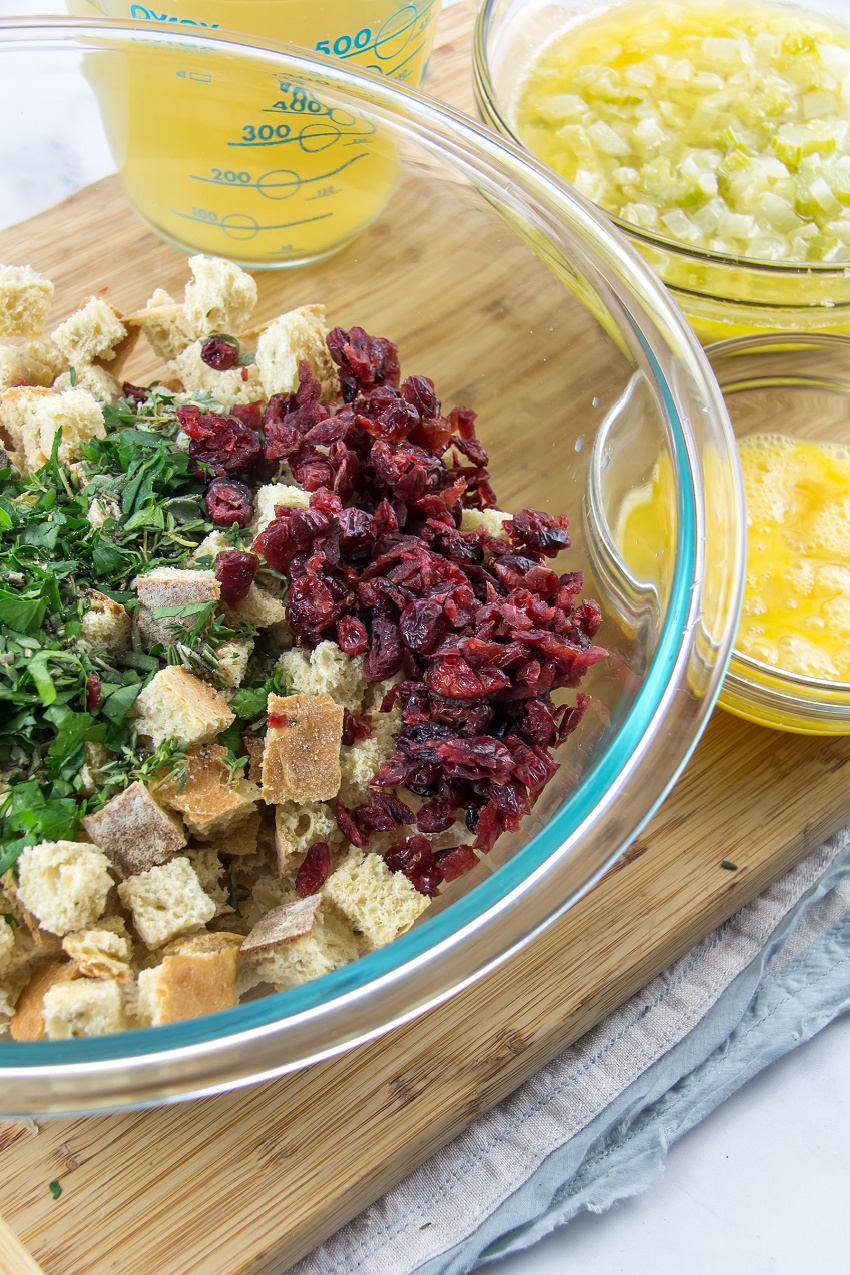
x,y
228,175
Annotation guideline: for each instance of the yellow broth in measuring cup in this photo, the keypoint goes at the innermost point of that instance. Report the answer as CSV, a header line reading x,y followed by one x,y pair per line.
x,y
225,157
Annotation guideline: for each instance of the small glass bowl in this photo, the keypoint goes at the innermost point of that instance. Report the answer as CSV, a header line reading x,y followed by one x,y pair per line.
x,y
797,386
723,296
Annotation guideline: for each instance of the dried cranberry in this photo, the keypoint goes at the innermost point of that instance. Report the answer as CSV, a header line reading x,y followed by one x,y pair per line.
x,y
220,353
364,361
538,531
219,444
385,651
229,502
93,693
352,635
235,571
436,816
454,862
276,721
355,726
347,825
133,393
314,870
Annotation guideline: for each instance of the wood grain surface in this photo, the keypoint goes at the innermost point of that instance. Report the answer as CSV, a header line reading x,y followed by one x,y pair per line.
x,y
246,1183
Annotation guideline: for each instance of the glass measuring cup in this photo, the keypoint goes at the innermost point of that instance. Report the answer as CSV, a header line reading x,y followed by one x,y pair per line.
x,y
263,170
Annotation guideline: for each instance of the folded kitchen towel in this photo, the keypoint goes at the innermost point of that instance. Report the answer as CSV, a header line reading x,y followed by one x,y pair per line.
x,y
594,1125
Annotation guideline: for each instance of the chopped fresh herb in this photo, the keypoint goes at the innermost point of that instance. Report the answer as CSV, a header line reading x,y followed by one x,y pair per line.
x,y
72,376
55,1189
730,867
237,893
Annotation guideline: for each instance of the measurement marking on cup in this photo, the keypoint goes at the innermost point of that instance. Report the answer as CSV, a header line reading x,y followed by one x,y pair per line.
x,y
240,225
279,183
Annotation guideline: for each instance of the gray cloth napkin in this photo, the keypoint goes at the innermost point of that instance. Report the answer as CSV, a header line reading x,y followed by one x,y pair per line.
x,y
594,1125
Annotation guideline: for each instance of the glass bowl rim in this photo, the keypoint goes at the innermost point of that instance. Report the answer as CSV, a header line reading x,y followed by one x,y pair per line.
x,y
485,151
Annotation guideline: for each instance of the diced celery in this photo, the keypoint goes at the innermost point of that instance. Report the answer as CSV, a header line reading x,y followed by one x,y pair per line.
x,y
680,226
794,141
607,139
733,139
724,49
604,83
822,248
824,198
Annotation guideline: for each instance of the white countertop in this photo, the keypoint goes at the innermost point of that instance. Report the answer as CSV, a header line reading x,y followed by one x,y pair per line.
x,y
759,1188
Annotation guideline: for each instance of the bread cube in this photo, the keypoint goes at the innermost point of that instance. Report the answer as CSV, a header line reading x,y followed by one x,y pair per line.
x,y
259,608
186,986
281,925
326,670
219,297
297,827
172,587
45,351
28,1019
300,334
232,661
330,944
380,904
301,759
92,332
101,384
64,884
209,799
106,626
240,840
177,705
229,386
272,494
492,520
31,415
100,954
16,366
163,323
25,298
213,543
166,901
134,832
84,1007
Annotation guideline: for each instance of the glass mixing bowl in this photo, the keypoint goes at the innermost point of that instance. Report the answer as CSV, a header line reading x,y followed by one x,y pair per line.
x,y
723,296
523,303
798,387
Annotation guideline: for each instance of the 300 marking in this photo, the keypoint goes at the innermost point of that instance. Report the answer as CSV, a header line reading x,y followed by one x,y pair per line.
x,y
265,133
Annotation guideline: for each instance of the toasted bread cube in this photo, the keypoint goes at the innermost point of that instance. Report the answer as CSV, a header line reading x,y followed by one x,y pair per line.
x,y
16,366
232,660
380,904
47,352
260,608
327,670
106,626
177,705
25,298
209,799
219,297
163,323
272,494
134,832
300,334
297,827
172,587
230,386
92,332
255,747
282,925
100,954
239,840
64,884
208,868
301,759
28,1020
31,415
166,901
492,520
101,384
213,543
83,1007
186,986
202,942
330,944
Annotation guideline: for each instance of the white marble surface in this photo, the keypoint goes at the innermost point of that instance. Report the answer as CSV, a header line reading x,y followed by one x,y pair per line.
x,y
759,1188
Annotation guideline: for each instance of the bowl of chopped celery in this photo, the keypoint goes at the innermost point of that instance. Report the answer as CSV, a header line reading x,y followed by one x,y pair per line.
x,y
716,136
323,691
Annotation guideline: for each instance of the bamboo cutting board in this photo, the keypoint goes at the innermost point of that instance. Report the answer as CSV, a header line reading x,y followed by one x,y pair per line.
x,y
248,1182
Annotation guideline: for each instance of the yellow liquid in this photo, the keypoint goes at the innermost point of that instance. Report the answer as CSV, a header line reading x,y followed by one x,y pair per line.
x,y
796,612
231,159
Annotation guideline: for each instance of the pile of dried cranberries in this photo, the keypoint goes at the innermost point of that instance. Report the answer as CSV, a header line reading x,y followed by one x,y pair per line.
x,y
481,626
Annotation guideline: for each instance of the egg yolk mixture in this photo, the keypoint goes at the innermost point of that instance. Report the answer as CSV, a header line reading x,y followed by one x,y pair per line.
x,y
723,126
796,611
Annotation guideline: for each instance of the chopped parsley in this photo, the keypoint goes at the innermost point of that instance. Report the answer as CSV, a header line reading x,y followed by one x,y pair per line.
x,y
55,1188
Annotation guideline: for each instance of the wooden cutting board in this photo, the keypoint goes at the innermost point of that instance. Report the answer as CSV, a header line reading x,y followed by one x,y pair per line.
x,y
248,1182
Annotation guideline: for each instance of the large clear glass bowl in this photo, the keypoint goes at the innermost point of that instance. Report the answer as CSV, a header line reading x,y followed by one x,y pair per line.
x,y
724,296
523,303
